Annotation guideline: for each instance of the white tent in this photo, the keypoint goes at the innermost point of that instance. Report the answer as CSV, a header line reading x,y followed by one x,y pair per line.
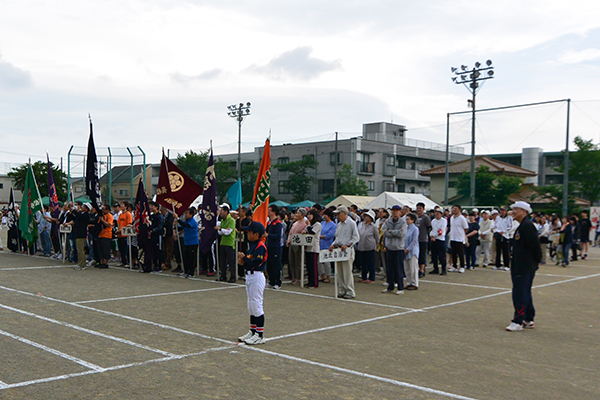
x,y
389,199
344,200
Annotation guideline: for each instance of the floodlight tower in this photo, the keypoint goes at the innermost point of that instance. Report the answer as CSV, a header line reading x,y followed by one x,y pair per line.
x,y
471,79
239,112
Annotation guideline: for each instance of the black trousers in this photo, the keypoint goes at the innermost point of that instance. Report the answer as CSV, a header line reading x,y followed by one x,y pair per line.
x,y
227,261
458,252
522,299
274,266
123,250
189,258
502,249
395,269
438,254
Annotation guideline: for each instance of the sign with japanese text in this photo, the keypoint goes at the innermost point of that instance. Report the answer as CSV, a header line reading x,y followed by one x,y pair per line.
x,y
335,255
299,239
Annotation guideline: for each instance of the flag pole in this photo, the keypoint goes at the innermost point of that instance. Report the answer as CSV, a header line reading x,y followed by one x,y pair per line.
x,y
174,213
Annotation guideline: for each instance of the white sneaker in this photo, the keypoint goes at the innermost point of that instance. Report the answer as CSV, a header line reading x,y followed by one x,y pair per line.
x,y
506,269
246,336
399,292
528,324
497,268
385,291
461,270
255,339
276,287
452,269
514,327
269,286
385,284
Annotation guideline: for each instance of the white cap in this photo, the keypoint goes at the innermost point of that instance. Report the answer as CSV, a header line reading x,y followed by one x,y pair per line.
x,y
485,212
476,210
494,212
522,205
225,205
371,214
88,205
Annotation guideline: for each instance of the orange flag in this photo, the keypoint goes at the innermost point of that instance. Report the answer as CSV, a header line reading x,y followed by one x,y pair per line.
x,y
262,189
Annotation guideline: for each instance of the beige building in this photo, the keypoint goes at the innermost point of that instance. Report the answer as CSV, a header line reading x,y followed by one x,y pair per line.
x,y
438,176
5,184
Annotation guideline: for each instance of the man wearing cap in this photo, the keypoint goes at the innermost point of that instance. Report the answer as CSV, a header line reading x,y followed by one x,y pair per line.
x,y
423,222
503,225
226,229
527,256
346,236
394,231
80,220
438,238
254,262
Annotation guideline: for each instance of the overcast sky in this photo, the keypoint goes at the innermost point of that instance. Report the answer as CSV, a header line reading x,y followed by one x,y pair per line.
x,y
161,73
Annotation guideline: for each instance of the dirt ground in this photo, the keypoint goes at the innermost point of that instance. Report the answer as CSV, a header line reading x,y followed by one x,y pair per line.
x,y
118,334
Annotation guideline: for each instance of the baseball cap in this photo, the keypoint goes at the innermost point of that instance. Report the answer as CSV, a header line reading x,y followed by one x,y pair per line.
x,y
225,205
503,208
88,205
255,227
371,214
485,212
522,205
438,209
341,209
475,209
494,212
396,207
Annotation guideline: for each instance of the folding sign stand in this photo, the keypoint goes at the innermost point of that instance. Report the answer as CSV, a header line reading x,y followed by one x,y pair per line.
x,y
302,240
335,255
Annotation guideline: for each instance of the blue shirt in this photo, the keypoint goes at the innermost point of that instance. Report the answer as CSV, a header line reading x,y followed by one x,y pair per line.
x,y
328,231
256,257
274,231
411,242
190,231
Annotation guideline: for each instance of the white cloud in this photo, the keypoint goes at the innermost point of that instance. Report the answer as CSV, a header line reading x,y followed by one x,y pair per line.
x,y
13,78
296,64
575,57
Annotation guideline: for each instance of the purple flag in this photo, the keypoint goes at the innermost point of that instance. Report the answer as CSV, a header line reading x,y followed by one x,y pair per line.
x,y
92,182
208,214
52,196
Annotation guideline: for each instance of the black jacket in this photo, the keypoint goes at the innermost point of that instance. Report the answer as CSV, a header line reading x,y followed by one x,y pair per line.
x,y
527,253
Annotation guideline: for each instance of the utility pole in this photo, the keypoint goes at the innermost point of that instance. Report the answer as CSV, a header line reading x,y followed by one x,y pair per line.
x,y
335,163
565,205
472,83
239,112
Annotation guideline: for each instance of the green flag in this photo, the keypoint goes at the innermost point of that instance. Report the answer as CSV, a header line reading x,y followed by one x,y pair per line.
x,y
32,203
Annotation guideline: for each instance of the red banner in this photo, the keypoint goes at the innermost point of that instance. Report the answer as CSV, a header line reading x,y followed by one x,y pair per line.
x,y
262,189
175,189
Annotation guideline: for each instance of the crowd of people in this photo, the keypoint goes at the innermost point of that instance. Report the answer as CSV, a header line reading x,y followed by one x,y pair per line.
x,y
395,244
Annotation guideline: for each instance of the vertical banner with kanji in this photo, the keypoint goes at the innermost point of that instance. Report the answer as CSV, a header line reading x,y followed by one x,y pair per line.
x,y
262,189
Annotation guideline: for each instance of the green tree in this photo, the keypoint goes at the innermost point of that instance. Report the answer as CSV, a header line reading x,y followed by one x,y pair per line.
x,y
40,169
350,184
485,191
490,189
584,169
249,174
300,180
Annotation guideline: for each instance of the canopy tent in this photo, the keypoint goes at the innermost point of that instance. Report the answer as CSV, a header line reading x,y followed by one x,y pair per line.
x,y
345,200
389,199
305,203
280,203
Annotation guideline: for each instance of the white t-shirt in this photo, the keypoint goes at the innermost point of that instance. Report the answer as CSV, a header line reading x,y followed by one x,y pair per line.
x,y
457,229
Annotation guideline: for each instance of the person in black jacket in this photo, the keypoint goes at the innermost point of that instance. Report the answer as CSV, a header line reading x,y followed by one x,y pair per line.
x,y
526,258
157,221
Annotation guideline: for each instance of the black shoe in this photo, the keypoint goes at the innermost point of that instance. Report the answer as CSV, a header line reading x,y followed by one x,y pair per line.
x,y
102,266
421,274
443,273
232,280
434,272
222,279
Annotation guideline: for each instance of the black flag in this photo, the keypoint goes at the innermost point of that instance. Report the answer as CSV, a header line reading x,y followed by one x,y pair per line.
x,y
210,208
13,224
141,221
92,182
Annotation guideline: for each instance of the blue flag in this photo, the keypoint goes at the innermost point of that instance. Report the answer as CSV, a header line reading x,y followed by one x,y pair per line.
x,y
234,194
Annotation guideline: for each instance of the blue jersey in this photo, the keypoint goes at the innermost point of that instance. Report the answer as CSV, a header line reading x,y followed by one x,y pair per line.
x,y
256,257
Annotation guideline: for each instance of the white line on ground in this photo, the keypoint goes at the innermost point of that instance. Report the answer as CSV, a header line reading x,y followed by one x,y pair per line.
x,y
347,300
362,321
362,374
115,368
565,281
3,385
44,267
463,284
155,295
143,321
53,351
91,332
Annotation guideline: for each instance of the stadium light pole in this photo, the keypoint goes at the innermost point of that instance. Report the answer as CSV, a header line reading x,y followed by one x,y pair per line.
x,y
473,79
239,112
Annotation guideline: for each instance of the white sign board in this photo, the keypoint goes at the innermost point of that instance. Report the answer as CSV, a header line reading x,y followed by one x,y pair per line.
x,y
65,228
335,255
128,231
298,239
